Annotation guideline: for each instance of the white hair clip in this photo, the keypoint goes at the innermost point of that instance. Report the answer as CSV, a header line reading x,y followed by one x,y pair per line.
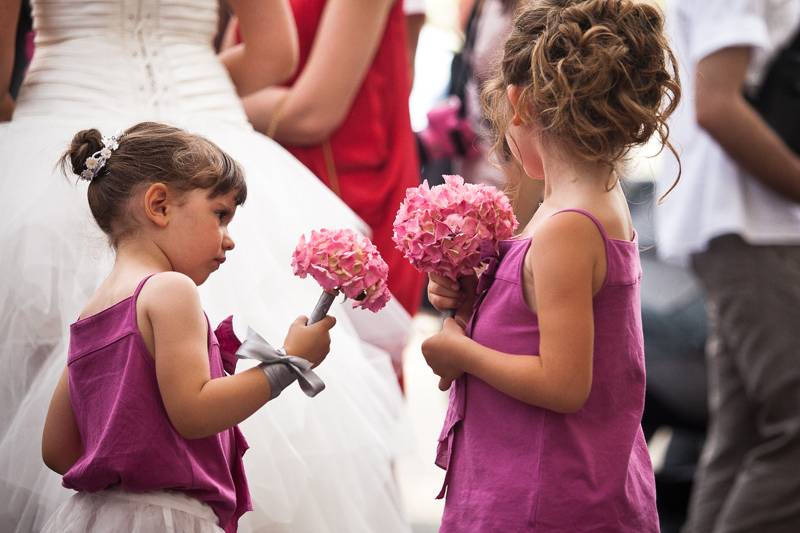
x,y
96,161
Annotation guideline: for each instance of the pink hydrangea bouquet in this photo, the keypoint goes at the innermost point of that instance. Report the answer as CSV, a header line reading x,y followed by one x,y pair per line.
x,y
342,261
446,229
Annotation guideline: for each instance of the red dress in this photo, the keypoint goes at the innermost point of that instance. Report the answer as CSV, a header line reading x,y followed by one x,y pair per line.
x,y
373,151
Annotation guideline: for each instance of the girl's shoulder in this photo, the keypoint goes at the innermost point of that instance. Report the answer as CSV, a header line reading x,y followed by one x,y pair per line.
x,y
612,220
605,222
168,308
569,250
170,281
568,235
169,291
570,227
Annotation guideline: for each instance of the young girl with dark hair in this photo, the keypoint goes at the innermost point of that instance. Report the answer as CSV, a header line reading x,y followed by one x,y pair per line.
x,y
143,420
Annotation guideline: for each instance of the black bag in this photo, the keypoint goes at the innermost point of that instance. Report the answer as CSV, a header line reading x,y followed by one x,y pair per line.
x,y
778,98
461,67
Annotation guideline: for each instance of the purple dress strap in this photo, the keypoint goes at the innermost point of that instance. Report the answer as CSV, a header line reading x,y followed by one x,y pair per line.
x,y
140,286
588,215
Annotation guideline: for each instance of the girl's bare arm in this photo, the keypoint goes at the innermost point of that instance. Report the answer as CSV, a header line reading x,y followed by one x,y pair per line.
x,y
560,378
61,442
197,405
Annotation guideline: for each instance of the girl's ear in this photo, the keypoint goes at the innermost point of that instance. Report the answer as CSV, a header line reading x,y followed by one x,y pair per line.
x,y
157,204
513,93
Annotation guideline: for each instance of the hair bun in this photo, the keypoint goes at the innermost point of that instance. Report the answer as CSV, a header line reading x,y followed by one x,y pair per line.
x,y
603,76
84,144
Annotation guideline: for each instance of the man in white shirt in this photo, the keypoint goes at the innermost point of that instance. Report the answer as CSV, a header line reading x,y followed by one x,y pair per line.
x,y
735,217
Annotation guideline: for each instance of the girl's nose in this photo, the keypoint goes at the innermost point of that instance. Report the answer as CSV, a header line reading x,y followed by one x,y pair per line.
x,y
227,242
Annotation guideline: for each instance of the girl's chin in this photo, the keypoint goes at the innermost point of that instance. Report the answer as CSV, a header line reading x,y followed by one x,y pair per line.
x,y
199,279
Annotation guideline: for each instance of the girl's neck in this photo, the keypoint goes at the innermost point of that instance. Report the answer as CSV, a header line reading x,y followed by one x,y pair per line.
x,y
139,254
570,180
135,260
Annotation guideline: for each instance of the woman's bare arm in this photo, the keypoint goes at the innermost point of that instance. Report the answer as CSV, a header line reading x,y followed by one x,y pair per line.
x,y
345,45
9,17
269,52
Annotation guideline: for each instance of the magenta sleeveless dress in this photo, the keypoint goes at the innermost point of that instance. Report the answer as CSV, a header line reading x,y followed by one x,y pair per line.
x,y
515,467
129,442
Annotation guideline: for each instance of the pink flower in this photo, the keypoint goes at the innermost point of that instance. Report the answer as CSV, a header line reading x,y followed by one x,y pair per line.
x,y
342,260
443,229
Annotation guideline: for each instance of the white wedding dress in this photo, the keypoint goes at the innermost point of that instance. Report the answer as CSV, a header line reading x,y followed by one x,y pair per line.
x,y
315,465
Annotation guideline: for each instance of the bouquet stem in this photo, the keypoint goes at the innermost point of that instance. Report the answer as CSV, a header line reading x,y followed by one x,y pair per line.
x,y
323,305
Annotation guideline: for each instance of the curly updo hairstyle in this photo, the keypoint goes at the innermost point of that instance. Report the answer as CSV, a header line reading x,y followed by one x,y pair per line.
x,y
150,152
597,76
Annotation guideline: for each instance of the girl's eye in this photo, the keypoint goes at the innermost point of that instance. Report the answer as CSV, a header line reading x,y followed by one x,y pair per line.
x,y
222,215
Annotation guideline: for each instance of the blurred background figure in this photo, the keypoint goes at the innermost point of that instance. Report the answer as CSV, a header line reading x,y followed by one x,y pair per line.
x,y
455,140
457,127
345,116
734,217
12,67
415,20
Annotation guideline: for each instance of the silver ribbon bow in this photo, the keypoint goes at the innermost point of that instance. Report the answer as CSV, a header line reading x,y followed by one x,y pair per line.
x,y
256,347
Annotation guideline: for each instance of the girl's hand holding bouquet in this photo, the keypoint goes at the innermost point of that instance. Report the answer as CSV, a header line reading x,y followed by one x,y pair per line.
x,y
456,297
312,342
440,355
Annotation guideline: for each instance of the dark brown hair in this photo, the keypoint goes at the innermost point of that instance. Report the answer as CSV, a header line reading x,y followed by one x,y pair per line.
x,y
597,76
148,153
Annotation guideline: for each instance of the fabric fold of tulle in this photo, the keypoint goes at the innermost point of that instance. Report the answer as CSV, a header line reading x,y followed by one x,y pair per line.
x,y
116,510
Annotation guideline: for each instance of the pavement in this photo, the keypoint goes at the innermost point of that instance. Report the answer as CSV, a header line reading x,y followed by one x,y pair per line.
x,y
420,479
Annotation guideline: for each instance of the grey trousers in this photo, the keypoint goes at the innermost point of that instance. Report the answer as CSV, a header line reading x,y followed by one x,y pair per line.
x,y
749,474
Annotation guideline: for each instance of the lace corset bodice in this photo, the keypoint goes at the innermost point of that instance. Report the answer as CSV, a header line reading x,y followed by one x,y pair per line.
x,y
150,59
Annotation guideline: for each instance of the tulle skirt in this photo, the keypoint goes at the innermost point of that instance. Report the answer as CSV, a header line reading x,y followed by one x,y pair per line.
x,y
321,464
116,511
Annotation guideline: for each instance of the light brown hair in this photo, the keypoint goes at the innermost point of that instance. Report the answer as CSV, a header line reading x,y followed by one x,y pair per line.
x,y
148,153
597,76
